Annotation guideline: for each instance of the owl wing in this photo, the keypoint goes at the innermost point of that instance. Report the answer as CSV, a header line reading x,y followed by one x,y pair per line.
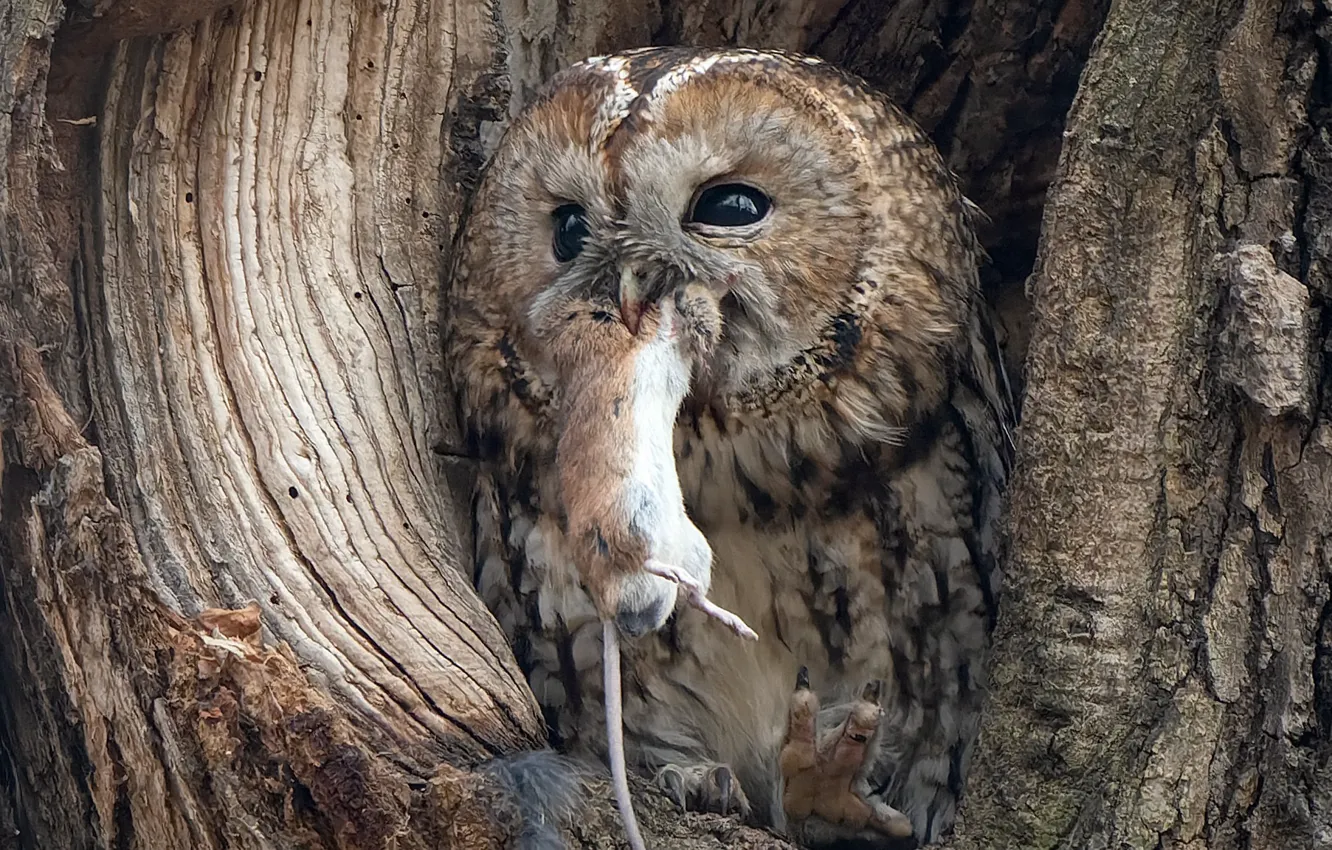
x,y
937,523
527,581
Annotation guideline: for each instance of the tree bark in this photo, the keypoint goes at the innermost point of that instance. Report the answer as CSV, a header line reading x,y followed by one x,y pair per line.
x,y
1162,674
234,598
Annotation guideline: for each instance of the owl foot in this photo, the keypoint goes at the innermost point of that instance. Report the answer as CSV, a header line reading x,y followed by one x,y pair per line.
x,y
705,787
823,791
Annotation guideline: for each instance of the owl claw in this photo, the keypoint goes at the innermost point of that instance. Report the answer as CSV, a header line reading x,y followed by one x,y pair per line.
x,y
705,787
673,783
693,592
823,791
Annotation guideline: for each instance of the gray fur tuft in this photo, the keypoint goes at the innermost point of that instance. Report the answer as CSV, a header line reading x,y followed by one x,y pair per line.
x,y
547,787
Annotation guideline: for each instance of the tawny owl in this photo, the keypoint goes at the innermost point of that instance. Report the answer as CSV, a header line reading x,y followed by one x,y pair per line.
x,y
719,311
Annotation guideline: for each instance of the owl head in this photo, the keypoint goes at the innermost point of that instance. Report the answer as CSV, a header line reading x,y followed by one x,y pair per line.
x,y
754,231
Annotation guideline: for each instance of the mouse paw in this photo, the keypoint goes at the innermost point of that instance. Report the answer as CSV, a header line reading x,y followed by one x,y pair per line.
x,y
695,594
704,787
823,792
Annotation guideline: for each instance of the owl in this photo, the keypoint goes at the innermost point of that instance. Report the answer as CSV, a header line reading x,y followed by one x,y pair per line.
x,y
715,316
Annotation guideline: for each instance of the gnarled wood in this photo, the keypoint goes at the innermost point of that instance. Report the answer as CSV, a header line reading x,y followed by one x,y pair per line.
x,y
276,180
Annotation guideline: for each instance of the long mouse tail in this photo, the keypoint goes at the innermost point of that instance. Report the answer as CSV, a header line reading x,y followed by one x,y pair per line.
x,y
610,664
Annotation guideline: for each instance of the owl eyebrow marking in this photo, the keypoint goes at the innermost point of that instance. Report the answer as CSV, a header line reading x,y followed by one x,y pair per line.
x,y
612,111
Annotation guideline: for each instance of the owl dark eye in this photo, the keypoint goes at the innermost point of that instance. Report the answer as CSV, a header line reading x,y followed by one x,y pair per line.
x,y
570,231
730,205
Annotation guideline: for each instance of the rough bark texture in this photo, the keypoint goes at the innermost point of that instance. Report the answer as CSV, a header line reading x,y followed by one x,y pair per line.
x,y
1162,677
233,611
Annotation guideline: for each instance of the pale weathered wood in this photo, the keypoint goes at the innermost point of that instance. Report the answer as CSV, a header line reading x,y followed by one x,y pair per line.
x,y
125,726
275,176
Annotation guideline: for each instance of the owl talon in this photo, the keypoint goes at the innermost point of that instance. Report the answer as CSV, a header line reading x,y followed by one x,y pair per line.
x,y
693,591
725,783
823,790
706,787
671,780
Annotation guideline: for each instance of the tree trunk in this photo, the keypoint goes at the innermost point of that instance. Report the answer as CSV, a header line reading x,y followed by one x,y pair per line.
x,y
1162,676
234,599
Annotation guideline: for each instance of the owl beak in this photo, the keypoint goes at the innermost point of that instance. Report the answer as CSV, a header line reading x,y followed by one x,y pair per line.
x,y
631,299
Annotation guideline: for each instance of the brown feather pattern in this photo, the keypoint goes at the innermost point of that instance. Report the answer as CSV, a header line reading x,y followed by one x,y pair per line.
x,y
843,446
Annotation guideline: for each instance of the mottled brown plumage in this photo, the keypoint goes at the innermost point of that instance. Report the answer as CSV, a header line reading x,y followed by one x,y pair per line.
x,y
819,436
